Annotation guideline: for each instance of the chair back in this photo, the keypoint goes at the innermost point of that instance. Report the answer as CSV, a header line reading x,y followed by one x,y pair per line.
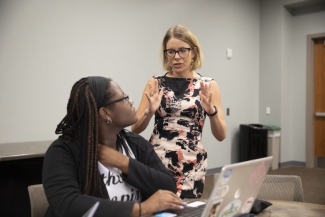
x,y
38,200
282,187
216,176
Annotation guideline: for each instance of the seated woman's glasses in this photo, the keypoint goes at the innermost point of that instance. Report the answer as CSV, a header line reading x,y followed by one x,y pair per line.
x,y
125,98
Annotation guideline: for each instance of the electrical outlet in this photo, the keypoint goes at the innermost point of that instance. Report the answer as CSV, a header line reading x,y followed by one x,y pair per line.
x,y
229,53
268,110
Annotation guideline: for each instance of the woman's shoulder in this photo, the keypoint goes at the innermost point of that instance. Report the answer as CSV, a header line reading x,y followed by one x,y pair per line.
x,y
62,146
204,78
155,77
63,142
159,76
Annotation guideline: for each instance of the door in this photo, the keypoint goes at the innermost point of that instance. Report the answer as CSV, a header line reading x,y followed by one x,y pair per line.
x,y
319,97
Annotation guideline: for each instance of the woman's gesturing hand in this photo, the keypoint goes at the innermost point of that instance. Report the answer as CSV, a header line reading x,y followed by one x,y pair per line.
x,y
206,98
154,97
160,201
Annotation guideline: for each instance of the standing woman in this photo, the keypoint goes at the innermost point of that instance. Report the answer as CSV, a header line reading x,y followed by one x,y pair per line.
x,y
180,101
95,159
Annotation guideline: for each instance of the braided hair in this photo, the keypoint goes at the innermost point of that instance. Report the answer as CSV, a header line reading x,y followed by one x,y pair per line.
x,y
81,126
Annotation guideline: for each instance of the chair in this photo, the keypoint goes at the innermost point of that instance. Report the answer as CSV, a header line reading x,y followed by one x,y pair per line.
x,y
38,200
216,176
279,187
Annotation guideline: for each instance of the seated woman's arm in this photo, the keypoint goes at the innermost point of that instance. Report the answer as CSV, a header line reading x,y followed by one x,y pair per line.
x,y
61,185
146,172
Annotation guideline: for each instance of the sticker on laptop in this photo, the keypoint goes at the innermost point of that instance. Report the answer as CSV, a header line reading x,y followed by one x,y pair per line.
x,y
237,193
214,210
221,191
247,205
226,176
231,209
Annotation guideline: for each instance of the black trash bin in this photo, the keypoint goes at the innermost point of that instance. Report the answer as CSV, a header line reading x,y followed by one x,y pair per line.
x,y
252,141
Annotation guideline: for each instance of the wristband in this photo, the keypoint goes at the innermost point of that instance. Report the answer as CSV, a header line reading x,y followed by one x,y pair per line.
x,y
214,113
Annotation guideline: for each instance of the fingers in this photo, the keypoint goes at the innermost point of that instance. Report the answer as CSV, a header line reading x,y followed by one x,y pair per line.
x,y
147,95
161,93
172,200
205,94
150,88
175,204
206,101
210,97
152,98
204,87
162,200
153,89
205,98
156,86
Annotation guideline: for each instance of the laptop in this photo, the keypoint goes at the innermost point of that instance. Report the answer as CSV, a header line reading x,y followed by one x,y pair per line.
x,y
92,210
233,194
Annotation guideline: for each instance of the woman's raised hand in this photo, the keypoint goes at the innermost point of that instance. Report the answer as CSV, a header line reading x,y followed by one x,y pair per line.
x,y
154,97
206,97
160,201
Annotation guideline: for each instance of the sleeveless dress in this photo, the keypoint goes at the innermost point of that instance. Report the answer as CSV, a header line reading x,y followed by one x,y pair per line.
x,y
177,133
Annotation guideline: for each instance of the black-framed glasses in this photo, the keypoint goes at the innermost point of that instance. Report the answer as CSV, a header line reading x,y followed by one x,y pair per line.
x,y
183,52
125,98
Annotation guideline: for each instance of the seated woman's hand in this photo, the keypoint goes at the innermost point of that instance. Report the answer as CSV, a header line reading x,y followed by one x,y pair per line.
x,y
160,201
112,158
106,155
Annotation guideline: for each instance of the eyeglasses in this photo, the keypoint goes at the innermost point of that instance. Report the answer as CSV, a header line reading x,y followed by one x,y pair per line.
x,y
183,52
125,98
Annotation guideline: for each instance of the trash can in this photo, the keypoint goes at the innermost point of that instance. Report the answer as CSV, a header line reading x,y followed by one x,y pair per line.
x,y
252,141
273,144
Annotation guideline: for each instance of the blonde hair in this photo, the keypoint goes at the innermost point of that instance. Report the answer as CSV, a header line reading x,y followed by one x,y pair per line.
x,y
185,35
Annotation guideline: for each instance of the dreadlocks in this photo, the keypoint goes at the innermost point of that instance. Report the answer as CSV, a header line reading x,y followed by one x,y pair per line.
x,y
81,125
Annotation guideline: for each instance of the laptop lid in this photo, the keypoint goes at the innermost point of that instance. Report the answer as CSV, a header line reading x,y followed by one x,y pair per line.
x,y
234,192
236,188
92,210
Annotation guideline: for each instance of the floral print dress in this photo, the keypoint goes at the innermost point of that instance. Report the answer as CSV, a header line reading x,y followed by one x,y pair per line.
x,y
177,133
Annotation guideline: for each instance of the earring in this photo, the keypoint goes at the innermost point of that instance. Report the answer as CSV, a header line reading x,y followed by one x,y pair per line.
x,y
109,121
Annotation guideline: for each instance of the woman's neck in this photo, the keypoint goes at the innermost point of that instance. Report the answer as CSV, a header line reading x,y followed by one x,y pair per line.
x,y
107,134
108,140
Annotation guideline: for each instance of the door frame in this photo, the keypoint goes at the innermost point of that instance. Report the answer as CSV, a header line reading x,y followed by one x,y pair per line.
x,y
311,161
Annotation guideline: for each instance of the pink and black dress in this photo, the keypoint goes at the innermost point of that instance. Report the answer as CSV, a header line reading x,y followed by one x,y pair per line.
x,y
177,133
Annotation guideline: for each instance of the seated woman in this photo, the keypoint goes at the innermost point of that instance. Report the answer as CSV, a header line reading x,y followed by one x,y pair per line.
x,y
95,159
